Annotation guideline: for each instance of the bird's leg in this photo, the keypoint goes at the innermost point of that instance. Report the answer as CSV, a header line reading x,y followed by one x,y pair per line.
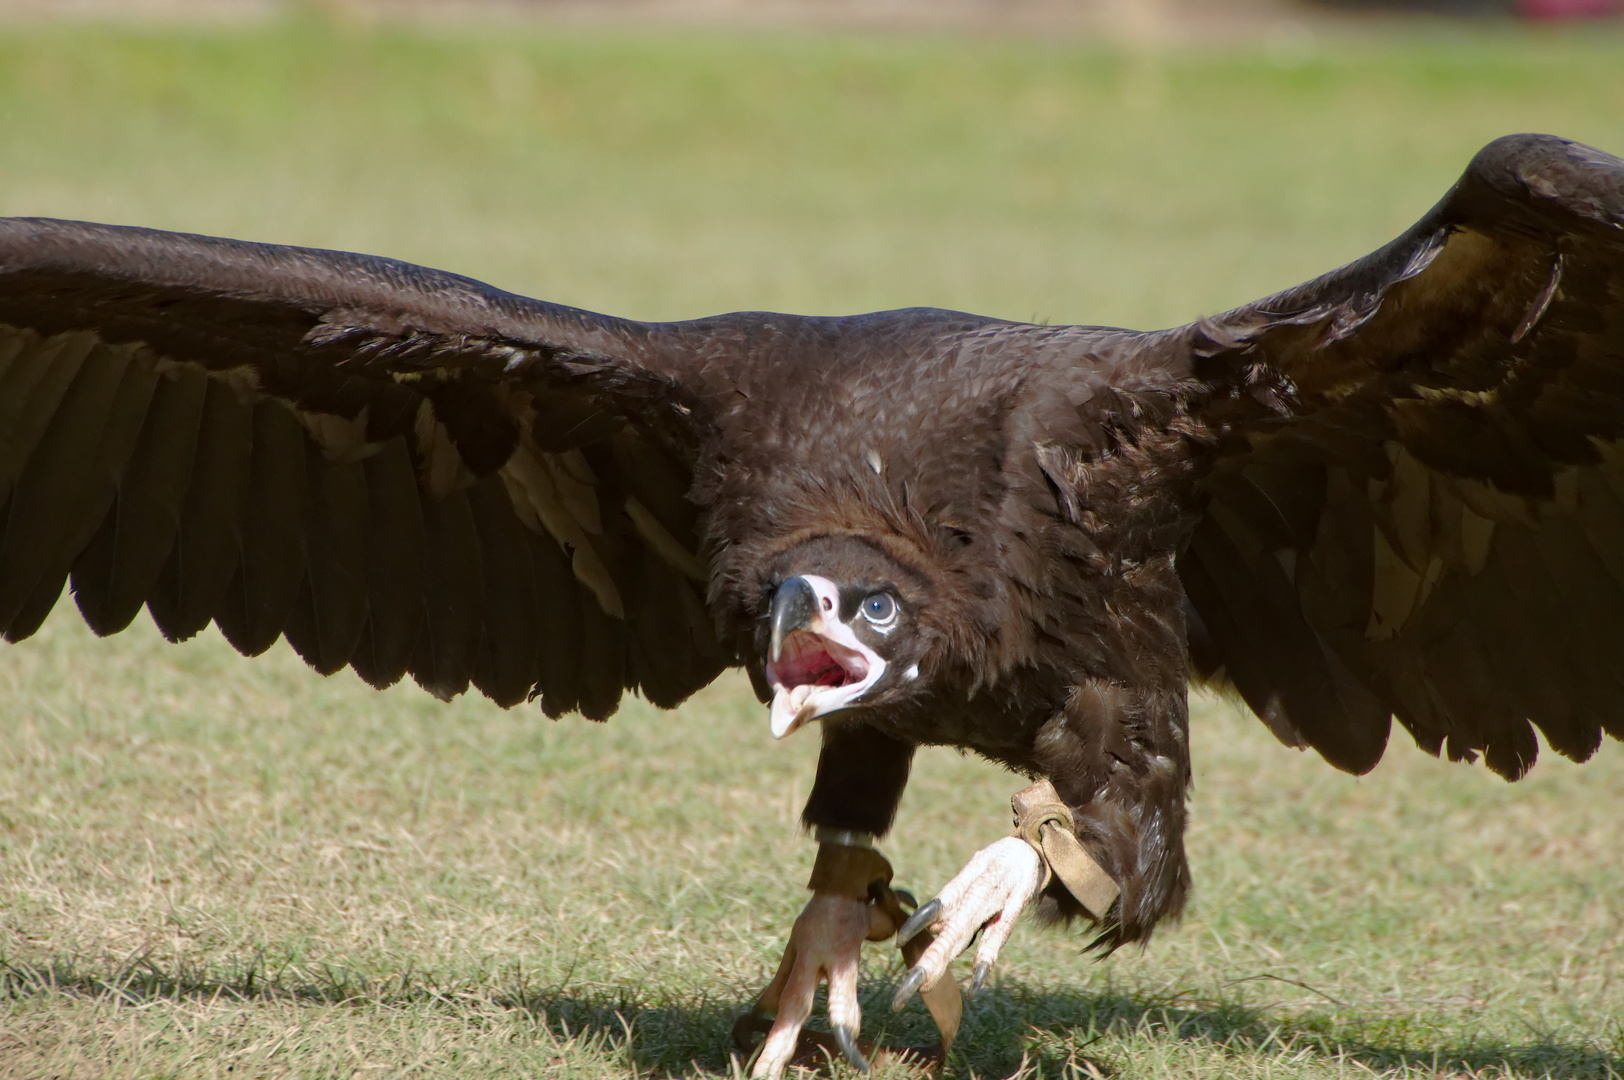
x,y
852,902
996,885
861,776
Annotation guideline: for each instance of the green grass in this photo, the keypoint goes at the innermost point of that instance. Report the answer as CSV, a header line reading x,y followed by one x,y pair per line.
x,y
216,867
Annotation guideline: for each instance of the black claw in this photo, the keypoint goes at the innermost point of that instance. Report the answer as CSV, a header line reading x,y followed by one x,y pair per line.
x,y
927,913
847,1038
907,989
979,977
906,899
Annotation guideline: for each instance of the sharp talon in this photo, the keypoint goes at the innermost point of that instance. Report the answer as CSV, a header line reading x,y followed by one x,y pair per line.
x,y
906,899
847,1038
979,977
927,913
908,988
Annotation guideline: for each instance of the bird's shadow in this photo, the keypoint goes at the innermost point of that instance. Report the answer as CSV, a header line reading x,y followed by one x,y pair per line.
x,y
1009,1030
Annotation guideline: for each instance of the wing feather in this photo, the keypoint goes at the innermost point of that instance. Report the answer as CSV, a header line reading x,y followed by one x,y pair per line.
x,y
1603,522
208,543
68,483
394,567
660,672
394,468
603,660
325,623
1443,421
256,603
506,667
560,640
1525,662
1592,599
119,568
1300,691
1462,683
85,506
38,374
453,597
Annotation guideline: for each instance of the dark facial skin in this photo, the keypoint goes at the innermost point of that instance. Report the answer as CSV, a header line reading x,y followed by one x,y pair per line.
x,y
863,575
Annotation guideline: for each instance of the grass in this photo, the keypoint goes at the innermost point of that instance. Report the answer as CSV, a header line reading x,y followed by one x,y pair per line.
x,y
216,867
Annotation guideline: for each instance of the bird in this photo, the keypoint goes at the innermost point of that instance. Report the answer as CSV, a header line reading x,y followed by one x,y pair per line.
x,y
1394,492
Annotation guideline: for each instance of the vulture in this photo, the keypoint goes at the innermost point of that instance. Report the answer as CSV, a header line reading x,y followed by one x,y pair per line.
x,y
1393,492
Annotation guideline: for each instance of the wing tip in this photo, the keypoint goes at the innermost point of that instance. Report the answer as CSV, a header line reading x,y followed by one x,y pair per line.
x,y
1554,172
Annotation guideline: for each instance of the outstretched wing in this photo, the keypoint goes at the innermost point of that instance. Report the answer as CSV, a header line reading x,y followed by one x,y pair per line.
x,y
396,469
1417,503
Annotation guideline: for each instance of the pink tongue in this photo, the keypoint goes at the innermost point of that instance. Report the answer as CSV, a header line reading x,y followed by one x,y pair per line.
x,y
810,663
816,667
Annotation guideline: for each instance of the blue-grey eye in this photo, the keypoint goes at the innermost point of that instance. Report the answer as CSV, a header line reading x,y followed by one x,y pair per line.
x,y
879,609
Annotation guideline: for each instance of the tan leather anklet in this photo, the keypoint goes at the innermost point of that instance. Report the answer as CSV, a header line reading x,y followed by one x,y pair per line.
x,y
1045,822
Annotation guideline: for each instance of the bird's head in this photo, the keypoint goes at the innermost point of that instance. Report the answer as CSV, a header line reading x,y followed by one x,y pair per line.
x,y
842,631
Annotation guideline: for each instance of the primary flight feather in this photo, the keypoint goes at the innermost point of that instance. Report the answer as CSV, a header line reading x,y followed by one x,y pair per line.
x,y
1394,491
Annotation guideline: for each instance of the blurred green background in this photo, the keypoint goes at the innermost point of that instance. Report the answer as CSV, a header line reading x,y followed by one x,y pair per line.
x,y
676,173
211,865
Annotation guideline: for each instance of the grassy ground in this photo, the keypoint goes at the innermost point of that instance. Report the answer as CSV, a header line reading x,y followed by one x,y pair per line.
x,y
216,867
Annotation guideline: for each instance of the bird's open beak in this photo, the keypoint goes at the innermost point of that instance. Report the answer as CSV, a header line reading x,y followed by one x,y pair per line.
x,y
815,664
795,607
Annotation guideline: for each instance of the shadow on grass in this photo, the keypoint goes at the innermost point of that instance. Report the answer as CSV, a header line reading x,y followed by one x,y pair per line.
x,y
1008,1030
1049,1026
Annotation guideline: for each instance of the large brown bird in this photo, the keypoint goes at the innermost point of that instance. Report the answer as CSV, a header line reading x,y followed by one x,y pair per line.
x,y
1394,491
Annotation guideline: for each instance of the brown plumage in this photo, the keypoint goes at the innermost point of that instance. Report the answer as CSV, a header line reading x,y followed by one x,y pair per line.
x,y
1394,491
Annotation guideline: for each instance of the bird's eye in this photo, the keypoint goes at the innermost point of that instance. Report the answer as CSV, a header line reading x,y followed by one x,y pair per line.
x,y
880,609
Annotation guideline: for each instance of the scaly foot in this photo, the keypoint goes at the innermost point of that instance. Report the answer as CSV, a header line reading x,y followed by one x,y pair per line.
x,y
825,945
852,902
988,895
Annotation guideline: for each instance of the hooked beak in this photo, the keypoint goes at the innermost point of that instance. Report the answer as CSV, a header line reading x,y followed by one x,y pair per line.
x,y
815,664
795,604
